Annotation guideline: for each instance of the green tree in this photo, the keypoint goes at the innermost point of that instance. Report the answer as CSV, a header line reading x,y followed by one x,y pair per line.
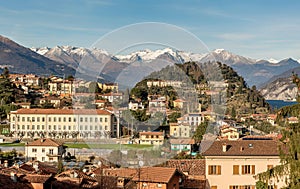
x,y
174,116
200,131
94,87
290,159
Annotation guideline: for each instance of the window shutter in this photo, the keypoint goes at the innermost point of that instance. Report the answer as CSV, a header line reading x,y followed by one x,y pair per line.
x,y
243,169
230,187
236,169
218,169
252,187
253,170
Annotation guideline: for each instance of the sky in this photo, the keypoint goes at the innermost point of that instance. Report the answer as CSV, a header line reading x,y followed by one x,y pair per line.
x,y
252,28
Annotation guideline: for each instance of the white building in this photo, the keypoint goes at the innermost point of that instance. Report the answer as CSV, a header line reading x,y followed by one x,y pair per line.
x,y
44,150
63,123
233,164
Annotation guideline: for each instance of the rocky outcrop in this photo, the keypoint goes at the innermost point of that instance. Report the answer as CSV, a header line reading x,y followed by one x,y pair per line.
x,y
280,89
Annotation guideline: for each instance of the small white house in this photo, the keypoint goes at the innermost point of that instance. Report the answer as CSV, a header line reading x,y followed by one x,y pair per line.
x,y
44,150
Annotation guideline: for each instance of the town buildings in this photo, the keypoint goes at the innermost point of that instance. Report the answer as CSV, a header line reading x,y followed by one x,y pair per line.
x,y
63,123
44,149
233,164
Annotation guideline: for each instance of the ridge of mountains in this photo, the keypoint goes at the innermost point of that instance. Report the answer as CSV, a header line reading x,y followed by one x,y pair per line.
x,y
64,60
255,72
20,59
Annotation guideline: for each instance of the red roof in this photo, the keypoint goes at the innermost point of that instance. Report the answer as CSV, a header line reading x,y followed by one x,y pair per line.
x,y
62,111
44,142
155,174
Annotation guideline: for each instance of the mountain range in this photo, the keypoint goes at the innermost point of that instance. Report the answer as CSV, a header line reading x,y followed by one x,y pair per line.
x,y
255,72
131,68
20,59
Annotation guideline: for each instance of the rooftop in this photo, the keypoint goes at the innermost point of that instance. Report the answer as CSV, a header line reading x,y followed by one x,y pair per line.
x,y
62,111
155,174
243,148
45,142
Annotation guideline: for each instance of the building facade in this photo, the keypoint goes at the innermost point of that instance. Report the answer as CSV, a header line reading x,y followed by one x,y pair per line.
x,y
233,164
44,150
63,123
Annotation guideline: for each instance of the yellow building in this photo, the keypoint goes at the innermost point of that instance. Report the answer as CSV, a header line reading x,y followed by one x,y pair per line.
x,y
63,123
151,138
233,164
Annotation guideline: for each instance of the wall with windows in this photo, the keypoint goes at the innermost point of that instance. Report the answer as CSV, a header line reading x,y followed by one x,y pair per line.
x,y
236,172
62,125
43,153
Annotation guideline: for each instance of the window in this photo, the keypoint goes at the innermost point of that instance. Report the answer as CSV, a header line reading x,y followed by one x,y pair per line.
x,y
49,127
23,127
81,119
91,119
32,127
236,169
69,127
101,119
91,127
214,169
43,119
38,119
43,158
54,127
50,159
70,119
28,119
37,127
23,118
51,151
59,119
106,119
33,119
96,119
54,119
234,187
43,150
86,119
27,127
85,128
248,169
213,187
34,150
49,119
64,119
43,127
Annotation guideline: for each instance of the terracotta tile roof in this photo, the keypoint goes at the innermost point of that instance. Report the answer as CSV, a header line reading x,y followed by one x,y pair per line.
x,y
151,133
62,111
7,183
36,178
123,172
155,174
191,167
194,184
244,148
182,141
45,142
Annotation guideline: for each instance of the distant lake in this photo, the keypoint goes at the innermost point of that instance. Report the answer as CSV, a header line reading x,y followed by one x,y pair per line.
x,y
276,104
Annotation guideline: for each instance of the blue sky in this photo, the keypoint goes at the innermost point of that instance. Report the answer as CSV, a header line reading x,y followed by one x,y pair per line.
x,y
256,29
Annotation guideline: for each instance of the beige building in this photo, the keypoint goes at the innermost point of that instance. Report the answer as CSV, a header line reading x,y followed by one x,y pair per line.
x,y
44,150
233,164
229,132
63,123
151,138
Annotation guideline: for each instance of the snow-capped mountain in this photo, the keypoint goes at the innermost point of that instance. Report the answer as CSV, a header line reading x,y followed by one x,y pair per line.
x,y
255,72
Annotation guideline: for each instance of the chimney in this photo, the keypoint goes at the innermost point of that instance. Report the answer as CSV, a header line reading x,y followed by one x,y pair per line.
x,y
224,147
13,176
6,163
42,140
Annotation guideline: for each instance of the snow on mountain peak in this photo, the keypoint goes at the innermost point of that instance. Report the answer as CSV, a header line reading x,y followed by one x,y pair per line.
x,y
273,61
219,50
